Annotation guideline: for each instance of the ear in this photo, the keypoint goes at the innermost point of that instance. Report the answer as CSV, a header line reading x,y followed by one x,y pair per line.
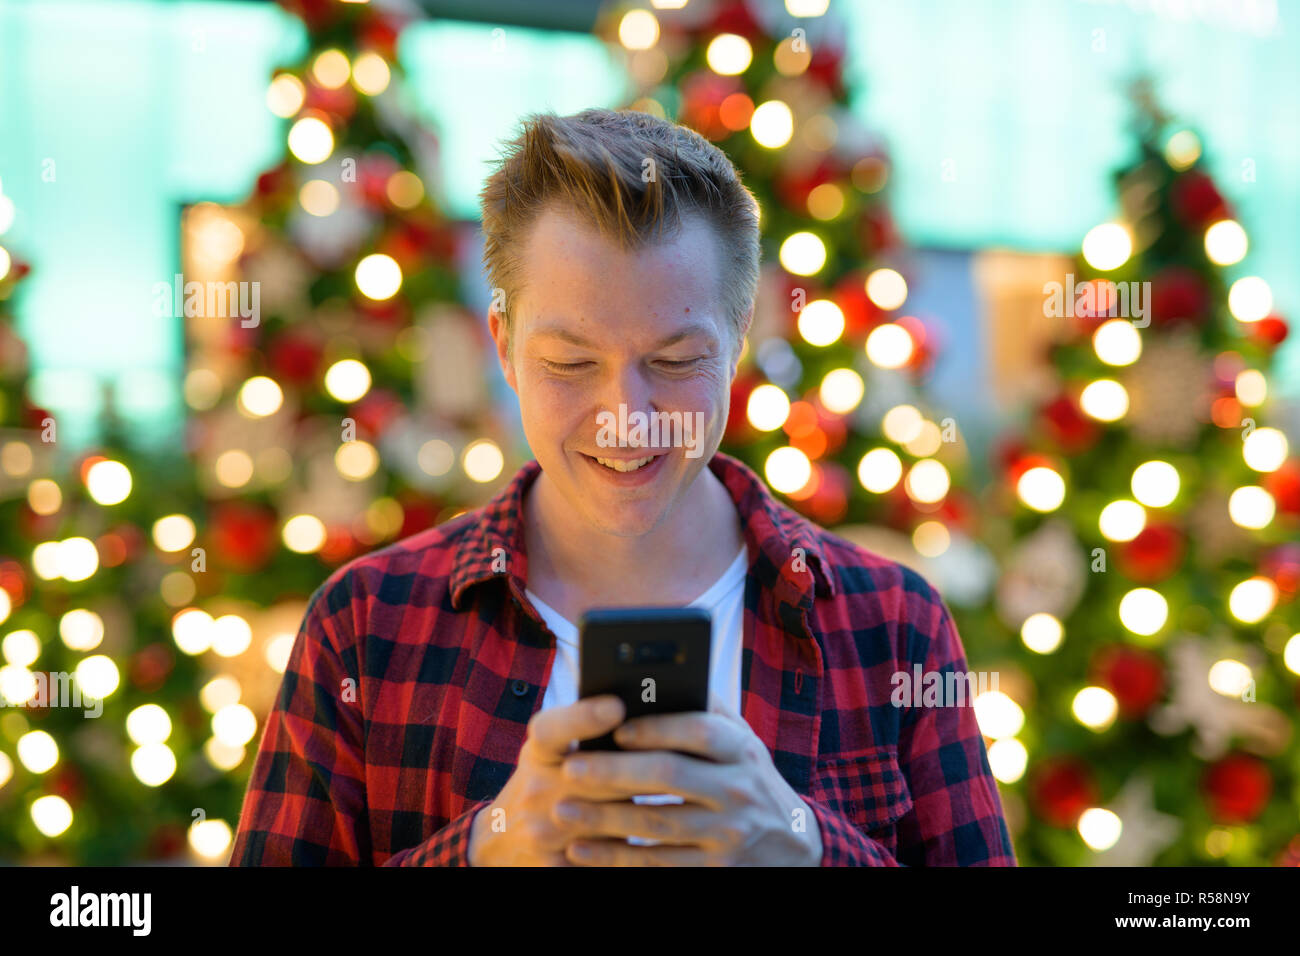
x,y
746,324
497,326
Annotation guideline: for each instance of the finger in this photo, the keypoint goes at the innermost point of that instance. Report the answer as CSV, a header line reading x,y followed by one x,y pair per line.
x,y
682,824
641,772
712,736
551,731
614,852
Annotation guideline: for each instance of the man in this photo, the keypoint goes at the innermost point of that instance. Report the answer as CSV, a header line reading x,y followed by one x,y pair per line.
x,y
428,714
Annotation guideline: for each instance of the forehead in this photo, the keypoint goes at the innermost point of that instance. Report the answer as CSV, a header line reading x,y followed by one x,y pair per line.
x,y
572,275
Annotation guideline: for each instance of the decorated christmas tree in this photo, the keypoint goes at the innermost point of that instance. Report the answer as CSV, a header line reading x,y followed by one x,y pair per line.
x,y
828,402
109,732
1146,518
353,410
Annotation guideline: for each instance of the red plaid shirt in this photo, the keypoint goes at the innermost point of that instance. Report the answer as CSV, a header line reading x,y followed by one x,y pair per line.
x,y
409,689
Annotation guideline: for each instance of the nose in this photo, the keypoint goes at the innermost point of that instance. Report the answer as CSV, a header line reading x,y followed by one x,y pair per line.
x,y
629,387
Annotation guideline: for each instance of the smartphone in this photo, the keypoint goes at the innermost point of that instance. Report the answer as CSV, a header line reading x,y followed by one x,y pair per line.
x,y
656,659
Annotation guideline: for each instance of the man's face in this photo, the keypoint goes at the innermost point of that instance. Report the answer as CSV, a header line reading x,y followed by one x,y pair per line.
x,y
596,328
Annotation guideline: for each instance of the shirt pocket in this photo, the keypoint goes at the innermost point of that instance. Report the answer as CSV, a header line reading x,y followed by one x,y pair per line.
x,y
867,787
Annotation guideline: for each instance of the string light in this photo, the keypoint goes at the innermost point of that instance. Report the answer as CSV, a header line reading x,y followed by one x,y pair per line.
x,y
1117,342
772,124
638,30
1107,246
1143,611
879,470
1095,707
1041,488
887,289
729,54
787,469
285,95
1250,299
803,254
821,322
767,407
889,346
1155,483
1042,633
310,140
1265,449
109,482
842,390
1225,242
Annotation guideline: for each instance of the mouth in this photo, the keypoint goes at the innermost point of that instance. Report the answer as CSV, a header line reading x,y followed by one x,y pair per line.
x,y
627,471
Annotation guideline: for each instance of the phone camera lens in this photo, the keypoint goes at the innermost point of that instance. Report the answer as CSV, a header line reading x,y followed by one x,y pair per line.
x,y
625,653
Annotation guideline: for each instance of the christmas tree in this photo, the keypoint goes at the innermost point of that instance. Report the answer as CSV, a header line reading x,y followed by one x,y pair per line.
x,y
353,410
108,730
1147,518
827,403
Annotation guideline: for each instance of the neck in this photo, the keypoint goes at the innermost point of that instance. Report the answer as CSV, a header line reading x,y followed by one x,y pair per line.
x,y
577,566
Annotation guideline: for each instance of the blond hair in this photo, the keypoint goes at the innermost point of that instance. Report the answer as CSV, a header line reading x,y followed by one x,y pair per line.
x,y
631,175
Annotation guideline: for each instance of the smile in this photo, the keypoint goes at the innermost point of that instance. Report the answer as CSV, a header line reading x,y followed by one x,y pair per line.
x,y
626,465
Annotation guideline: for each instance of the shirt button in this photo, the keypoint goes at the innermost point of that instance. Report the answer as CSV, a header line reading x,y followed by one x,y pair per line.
x,y
519,687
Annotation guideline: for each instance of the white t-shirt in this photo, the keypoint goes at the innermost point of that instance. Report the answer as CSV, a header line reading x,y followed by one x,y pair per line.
x,y
725,601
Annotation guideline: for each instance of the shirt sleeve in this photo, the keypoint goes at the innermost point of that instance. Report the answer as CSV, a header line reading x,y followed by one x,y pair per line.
x,y
306,798
956,817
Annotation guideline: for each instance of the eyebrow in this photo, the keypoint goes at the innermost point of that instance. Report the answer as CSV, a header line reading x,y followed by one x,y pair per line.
x,y
559,332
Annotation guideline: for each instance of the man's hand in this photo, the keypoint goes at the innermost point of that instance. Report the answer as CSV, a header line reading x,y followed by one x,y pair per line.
x,y
739,811
531,835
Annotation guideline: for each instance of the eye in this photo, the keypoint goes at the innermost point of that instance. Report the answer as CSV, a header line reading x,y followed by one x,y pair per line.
x,y
680,363
563,366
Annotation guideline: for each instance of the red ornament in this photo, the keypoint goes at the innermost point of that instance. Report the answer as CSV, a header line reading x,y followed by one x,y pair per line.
x,y
68,784
317,14
1178,294
1237,788
861,315
702,96
166,842
294,358
1284,486
1270,331
1068,426
827,67
243,534
876,230
275,180
1153,555
830,502
417,514
1062,788
377,410
794,191
150,666
1282,564
734,16
1135,676
739,431
380,34
1196,201
340,102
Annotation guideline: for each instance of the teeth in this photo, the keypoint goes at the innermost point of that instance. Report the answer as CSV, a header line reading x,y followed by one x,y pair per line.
x,y
625,466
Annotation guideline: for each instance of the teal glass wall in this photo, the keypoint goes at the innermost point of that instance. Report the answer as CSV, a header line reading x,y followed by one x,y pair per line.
x,y
1020,102
113,115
